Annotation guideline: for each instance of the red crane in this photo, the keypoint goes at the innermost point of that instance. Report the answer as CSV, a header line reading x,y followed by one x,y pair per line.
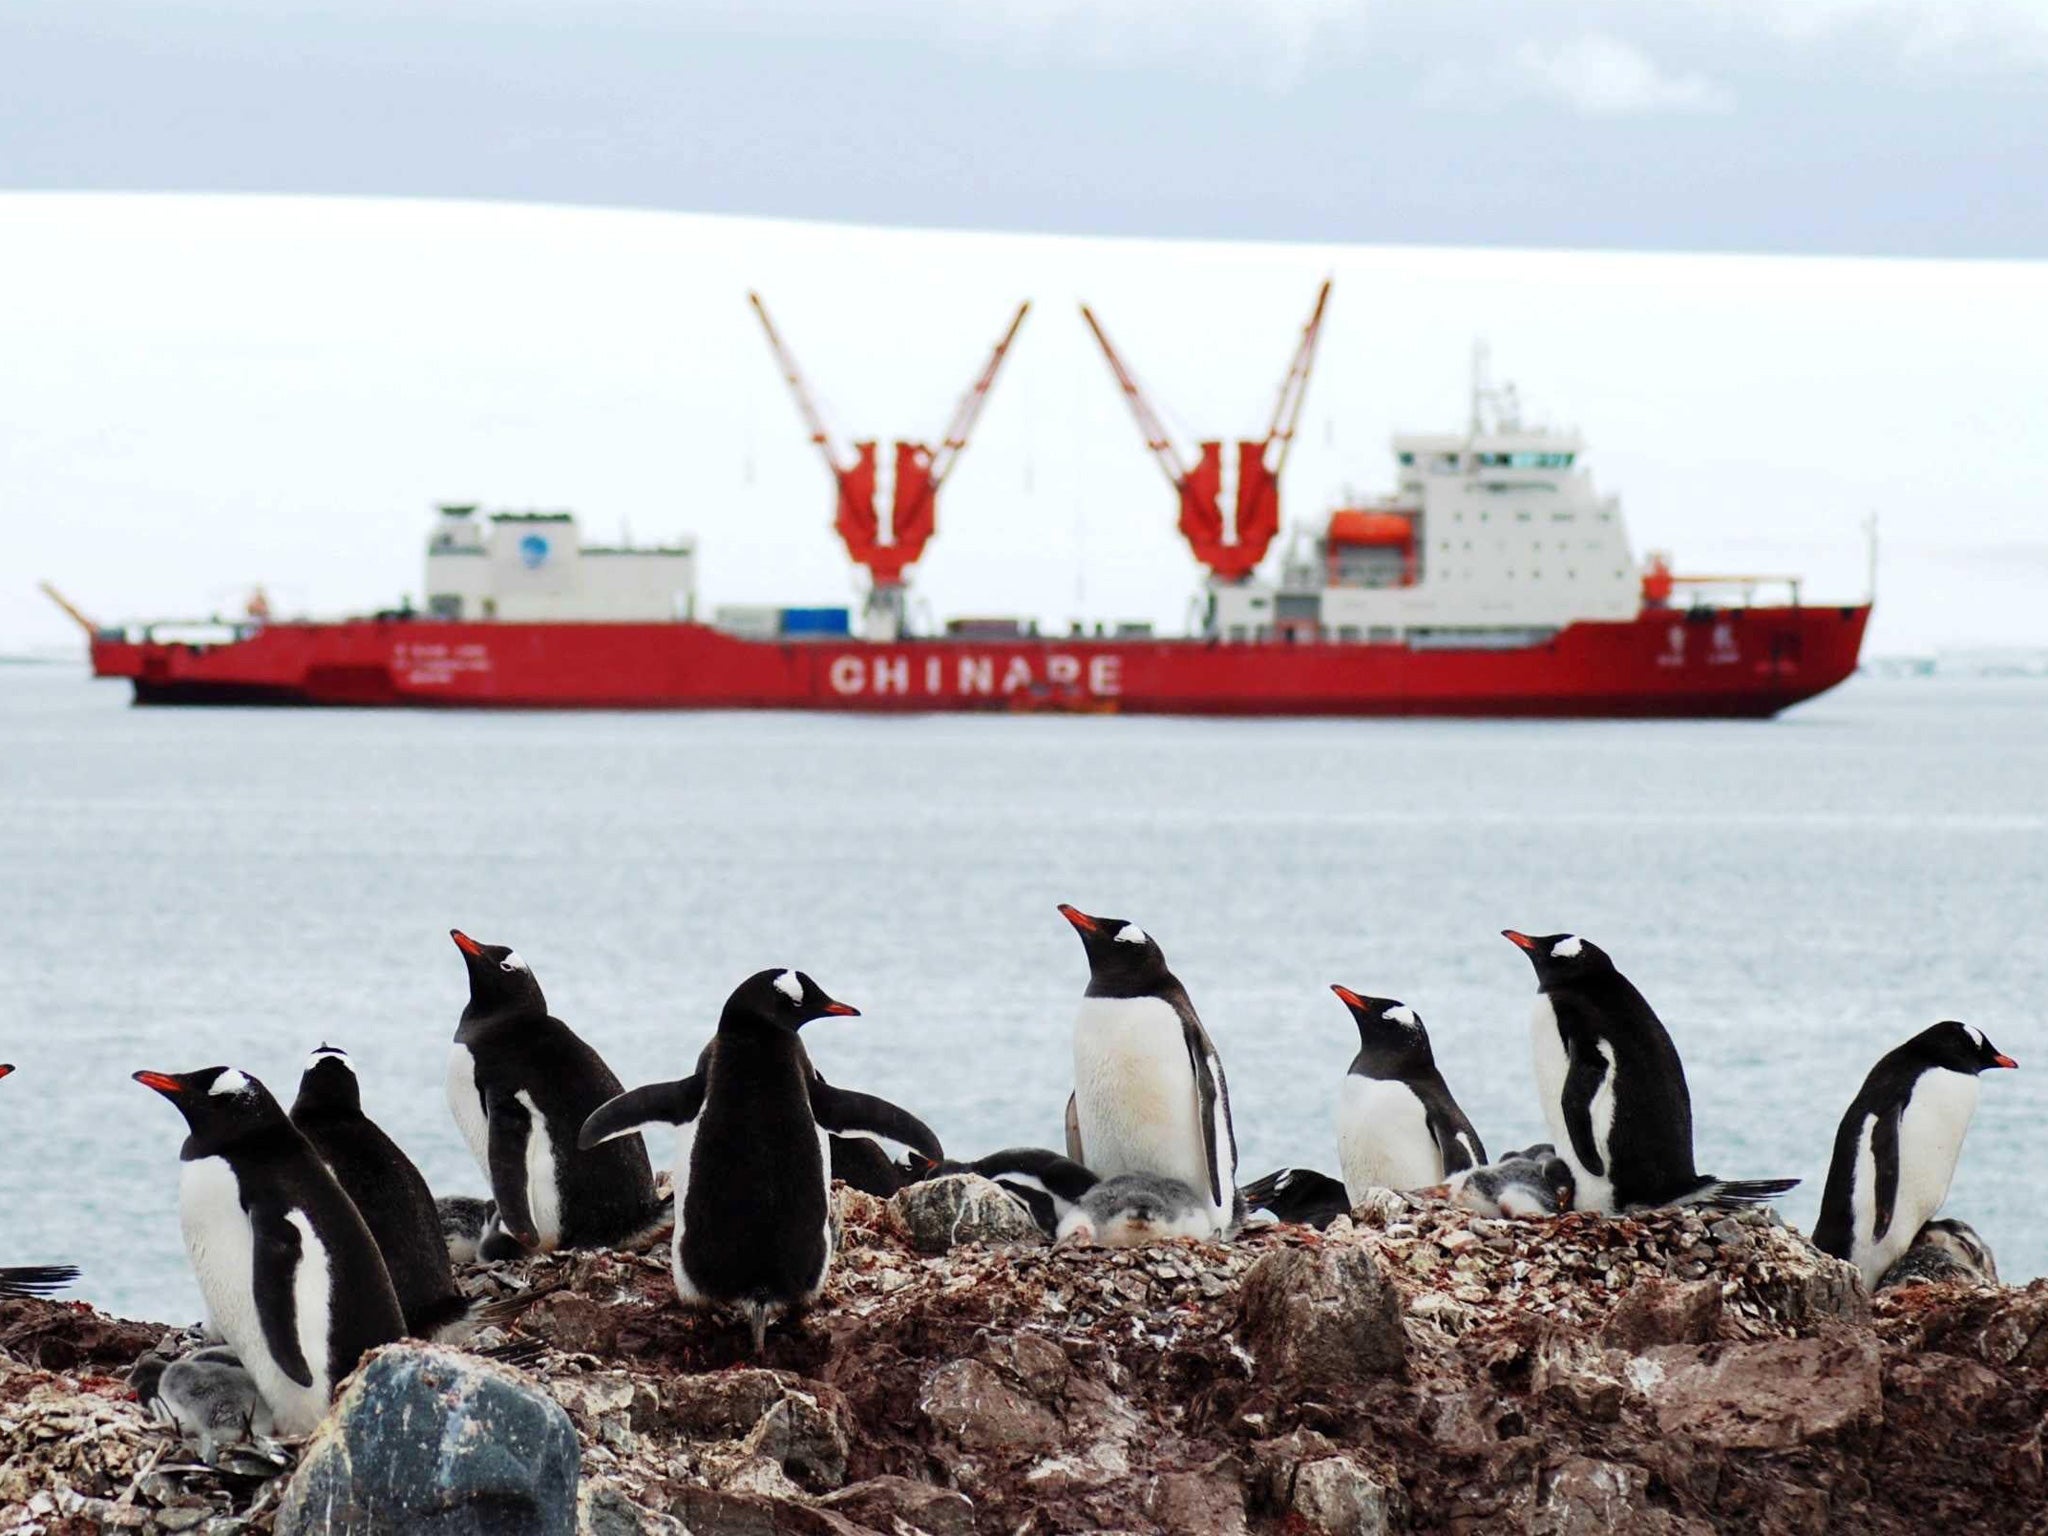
x,y
887,532
1232,549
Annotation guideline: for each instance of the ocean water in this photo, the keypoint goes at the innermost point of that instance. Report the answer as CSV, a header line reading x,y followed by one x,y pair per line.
x,y
179,888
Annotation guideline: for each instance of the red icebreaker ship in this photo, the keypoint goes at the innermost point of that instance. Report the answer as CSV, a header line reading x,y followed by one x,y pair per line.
x,y
1494,580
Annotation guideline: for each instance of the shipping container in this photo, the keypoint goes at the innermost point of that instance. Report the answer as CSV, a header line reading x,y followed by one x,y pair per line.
x,y
825,623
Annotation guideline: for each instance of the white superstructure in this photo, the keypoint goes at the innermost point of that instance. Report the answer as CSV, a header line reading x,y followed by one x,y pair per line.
x,y
1496,529
534,566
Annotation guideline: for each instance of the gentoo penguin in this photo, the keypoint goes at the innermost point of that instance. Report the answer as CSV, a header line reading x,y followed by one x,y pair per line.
x,y
1134,1209
1895,1150
521,1084
464,1220
1046,1184
1397,1125
292,1279
1613,1089
1532,1182
1946,1249
387,1189
753,1223
1300,1196
1149,1093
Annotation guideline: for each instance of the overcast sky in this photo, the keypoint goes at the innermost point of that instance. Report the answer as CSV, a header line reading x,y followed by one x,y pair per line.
x,y
1847,126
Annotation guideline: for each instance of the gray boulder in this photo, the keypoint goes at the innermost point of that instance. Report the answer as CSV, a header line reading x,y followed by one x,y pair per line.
x,y
942,1213
433,1442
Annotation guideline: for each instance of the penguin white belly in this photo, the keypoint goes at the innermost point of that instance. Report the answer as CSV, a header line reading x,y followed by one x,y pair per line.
x,y
686,1142
1134,1091
1595,1190
222,1246
831,1213
1931,1131
467,1106
1383,1139
543,1191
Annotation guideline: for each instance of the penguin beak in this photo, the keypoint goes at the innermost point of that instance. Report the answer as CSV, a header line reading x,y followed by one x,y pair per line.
x,y
842,1010
1349,998
2003,1061
1519,940
464,942
1081,920
162,1082
6,1067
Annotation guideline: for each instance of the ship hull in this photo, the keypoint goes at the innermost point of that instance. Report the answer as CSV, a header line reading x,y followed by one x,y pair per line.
x,y
1746,662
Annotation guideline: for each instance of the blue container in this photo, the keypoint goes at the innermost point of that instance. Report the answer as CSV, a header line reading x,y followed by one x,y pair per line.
x,y
816,621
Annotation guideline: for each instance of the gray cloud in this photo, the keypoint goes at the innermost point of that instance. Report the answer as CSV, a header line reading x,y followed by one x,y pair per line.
x,y
1879,126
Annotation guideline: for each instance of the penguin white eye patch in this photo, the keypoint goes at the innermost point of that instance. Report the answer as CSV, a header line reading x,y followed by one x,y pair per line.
x,y
1130,933
790,987
230,1081
1567,948
512,962
1400,1013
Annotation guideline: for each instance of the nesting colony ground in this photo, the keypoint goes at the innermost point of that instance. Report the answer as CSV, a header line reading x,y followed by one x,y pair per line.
x,y
1414,1369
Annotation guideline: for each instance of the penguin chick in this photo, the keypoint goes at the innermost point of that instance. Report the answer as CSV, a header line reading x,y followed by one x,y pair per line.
x,y
464,1220
1944,1249
1529,1183
213,1401
1134,1209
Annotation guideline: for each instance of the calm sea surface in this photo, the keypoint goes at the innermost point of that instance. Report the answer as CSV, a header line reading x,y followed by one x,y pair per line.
x,y
179,888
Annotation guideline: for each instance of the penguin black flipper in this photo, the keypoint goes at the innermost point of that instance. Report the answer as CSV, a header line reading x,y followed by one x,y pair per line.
x,y
847,1113
1884,1151
1457,1143
1212,1106
1582,1080
676,1103
274,1276
511,1131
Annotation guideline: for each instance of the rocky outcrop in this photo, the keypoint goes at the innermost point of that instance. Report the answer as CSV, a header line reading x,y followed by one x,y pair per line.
x,y
433,1442
1413,1369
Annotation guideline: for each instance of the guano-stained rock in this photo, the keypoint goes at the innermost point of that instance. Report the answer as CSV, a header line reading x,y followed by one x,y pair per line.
x,y
940,1214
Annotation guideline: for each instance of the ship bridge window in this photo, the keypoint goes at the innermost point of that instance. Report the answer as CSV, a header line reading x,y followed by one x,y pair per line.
x,y
1407,460
1525,460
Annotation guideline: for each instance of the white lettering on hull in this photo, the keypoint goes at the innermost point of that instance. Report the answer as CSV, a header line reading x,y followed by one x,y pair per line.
x,y
433,664
1060,674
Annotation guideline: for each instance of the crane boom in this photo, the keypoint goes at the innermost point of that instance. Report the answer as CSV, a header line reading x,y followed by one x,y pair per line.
x,y
814,422
1294,388
77,616
968,411
1157,438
